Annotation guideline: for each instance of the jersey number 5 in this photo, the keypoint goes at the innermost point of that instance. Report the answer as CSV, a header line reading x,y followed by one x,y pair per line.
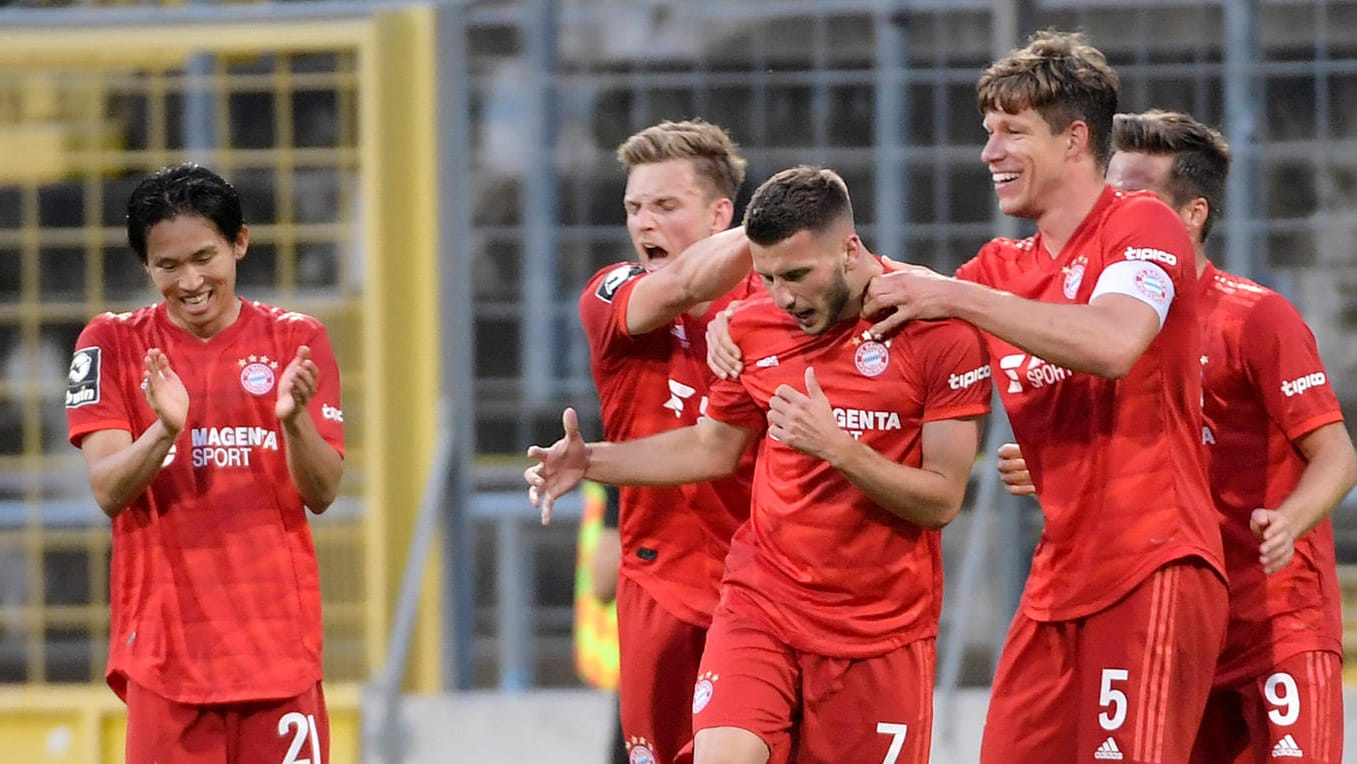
x,y
302,727
1108,695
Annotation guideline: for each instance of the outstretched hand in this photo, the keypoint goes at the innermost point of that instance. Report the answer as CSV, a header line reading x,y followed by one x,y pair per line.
x,y
559,467
1277,535
297,385
805,421
165,391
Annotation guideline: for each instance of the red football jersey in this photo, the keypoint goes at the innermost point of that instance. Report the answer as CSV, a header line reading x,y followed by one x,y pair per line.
x,y
1118,464
674,539
835,573
1265,387
214,590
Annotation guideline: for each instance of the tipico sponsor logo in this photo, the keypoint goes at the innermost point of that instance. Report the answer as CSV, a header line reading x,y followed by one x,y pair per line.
x,y
963,381
1299,385
1151,254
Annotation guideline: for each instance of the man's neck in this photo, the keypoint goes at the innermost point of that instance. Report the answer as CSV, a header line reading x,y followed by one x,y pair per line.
x,y
1076,198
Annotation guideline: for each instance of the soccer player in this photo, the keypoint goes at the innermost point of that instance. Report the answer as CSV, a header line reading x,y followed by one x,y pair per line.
x,y
1094,340
1280,461
208,424
642,319
822,648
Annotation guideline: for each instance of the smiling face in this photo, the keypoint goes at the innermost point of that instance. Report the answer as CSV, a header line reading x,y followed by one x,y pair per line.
x,y
1026,161
807,275
193,266
668,209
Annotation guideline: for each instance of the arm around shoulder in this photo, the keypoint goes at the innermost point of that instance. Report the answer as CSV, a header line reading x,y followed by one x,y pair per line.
x,y
702,272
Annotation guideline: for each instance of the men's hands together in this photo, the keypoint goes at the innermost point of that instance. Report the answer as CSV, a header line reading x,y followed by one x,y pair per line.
x,y
560,467
165,391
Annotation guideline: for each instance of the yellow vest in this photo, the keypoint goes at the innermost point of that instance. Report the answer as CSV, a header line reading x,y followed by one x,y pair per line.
x,y
595,622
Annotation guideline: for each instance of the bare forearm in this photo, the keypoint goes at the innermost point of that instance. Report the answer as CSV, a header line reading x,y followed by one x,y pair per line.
x,y
927,499
314,465
671,458
706,270
119,477
1079,337
1327,478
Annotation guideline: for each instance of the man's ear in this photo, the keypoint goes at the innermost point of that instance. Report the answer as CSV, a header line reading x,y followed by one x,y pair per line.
x,y
1078,138
722,213
1194,215
242,242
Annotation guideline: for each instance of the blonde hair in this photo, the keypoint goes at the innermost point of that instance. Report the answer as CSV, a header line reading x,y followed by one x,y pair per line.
x,y
714,155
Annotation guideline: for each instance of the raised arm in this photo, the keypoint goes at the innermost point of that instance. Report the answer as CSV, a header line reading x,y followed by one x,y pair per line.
x,y
120,468
315,466
704,271
704,451
1104,337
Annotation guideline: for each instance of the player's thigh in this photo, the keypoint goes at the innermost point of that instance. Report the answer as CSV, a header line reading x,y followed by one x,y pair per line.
x,y
161,731
1029,719
658,660
1222,737
748,681
1295,711
288,731
871,710
1146,666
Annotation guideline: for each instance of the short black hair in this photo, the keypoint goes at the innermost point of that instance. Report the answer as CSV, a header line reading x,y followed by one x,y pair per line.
x,y
802,198
1201,155
184,189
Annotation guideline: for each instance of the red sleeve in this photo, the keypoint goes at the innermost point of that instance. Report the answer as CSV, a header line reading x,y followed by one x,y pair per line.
x,y
325,407
1144,228
955,368
95,397
603,307
728,400
1283,362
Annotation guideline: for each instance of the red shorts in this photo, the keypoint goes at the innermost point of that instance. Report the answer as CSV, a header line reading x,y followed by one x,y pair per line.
x,y
1125,684
658,656
161,731
1292,713
814,709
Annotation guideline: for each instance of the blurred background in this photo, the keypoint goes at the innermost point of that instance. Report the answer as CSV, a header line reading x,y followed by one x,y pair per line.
x,y
436,181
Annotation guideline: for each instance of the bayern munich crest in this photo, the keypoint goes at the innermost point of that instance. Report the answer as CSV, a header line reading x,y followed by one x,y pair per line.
x,y
638,751
1074,276
257,374
702,691
872,358
1150,282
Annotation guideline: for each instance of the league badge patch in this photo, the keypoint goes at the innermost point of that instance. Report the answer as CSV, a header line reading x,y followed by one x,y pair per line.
x,y
615,279
872,358
257,375
82,381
